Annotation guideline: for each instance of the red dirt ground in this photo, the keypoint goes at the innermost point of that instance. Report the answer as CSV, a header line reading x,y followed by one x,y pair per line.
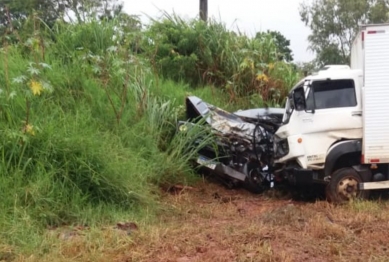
x,y
210,223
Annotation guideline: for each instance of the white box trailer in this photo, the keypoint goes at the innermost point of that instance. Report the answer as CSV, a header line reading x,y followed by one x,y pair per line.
x,y
356,56
370,53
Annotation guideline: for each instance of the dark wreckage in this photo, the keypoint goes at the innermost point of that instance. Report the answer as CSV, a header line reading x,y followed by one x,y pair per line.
x,y
244,151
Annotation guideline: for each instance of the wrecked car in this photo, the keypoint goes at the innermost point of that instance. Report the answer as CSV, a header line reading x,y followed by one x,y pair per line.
x,y
244,143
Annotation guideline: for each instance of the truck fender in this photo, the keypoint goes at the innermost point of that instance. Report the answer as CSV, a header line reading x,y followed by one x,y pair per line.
x,y
364,172
338,150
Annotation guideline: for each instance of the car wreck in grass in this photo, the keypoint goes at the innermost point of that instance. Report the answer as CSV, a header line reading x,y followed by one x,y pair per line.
x,y
243,153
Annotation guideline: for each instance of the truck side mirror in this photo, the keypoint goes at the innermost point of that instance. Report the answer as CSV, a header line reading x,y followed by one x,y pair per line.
x,y
299,99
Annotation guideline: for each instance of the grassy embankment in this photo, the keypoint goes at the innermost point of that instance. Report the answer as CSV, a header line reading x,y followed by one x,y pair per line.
x,y
87,119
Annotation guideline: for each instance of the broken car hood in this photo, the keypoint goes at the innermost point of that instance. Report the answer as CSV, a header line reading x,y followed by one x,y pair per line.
x,y
226,123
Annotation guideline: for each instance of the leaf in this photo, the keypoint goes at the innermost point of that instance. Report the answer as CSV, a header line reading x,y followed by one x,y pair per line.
x,y
30,41
112,49
19,79
96,69
29,129
12,95
33,71
36,87
121,71
44,65
47,86
262,77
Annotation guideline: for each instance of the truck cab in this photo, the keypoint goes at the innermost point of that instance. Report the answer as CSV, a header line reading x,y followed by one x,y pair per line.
x,y
323,115
335,123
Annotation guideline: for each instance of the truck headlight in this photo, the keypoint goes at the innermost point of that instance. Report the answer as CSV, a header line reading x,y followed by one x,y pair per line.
x,y
281,148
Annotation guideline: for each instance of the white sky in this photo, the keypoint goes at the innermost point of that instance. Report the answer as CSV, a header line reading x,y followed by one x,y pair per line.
x,y
249,15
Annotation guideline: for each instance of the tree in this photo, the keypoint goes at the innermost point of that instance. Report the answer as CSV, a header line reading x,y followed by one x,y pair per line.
x,y
335,23
15,12
306,68
281,42
82,10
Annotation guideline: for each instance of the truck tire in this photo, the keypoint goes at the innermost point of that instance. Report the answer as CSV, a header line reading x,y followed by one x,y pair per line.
x,y
343,186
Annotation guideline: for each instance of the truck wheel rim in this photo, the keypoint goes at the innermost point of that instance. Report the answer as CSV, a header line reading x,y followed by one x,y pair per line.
x,y
348,188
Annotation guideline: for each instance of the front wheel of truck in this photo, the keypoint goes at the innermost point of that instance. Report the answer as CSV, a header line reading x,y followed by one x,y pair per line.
x,y
343,186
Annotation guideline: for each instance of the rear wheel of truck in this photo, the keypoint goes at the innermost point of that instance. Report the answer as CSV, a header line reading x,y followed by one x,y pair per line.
x,y
343,186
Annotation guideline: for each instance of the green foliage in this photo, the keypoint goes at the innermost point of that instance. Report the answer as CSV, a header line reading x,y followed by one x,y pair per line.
x,y
202,53
87,10
15,12
306,68
283,44
84,139
88,120
334,24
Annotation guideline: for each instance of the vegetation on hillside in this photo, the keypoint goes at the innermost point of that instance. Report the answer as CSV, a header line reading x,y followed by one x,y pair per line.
x,y
88,113
209,54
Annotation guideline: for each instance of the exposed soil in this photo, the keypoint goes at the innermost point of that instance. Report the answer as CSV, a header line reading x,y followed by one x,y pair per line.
x,y
211,223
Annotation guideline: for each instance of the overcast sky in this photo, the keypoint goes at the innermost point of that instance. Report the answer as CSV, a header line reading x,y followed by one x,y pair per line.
x,y
249,15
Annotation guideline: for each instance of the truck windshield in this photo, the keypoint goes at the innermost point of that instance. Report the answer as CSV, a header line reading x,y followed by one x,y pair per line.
x,y
331,94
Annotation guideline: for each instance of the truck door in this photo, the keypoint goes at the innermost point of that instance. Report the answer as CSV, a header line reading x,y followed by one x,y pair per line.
x,y
334,113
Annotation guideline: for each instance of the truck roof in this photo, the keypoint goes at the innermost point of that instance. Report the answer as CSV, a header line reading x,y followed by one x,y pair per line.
x,y
332,74
335,74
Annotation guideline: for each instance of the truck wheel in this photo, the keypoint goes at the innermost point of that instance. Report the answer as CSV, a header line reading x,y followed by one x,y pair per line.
x,y
343,186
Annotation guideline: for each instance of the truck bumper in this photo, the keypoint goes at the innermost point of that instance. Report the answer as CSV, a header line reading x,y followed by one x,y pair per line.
x,y
302,177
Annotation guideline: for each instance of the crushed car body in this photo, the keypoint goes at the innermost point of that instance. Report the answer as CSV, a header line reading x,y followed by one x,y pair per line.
x,y
244,141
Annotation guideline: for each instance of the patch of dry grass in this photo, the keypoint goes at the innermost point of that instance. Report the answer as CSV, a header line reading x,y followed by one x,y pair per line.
x,y
210,223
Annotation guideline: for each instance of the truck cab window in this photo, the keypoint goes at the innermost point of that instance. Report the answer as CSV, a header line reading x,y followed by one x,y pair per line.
x,y
334,93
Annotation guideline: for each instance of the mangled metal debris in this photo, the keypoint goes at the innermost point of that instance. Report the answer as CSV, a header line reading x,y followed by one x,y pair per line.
x,y
243,143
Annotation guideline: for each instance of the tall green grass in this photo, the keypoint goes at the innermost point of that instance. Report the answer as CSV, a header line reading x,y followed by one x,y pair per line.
x,y
87,122
91,143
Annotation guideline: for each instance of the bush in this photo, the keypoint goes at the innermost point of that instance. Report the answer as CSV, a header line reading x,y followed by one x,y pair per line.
x,y
202,53
84,140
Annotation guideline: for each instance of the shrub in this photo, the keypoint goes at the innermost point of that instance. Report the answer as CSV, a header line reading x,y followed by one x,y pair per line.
x,y
84,140
202,53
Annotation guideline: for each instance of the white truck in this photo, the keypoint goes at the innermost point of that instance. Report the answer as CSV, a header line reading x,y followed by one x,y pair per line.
x,y
335,127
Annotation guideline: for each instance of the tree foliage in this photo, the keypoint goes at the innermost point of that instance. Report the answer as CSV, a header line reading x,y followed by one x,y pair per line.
x,y
15,12
335,23
283,44
84,9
